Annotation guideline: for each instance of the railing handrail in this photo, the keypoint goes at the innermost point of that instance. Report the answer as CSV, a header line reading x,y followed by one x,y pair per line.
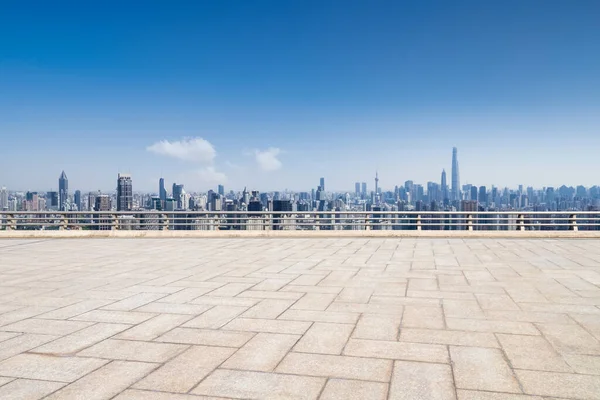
x,y
237,212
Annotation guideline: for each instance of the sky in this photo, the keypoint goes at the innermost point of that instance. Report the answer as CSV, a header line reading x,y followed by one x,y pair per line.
x,y
273,95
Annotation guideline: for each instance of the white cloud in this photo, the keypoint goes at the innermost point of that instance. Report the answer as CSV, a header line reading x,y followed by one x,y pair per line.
x,y
267,160
188,149
210,175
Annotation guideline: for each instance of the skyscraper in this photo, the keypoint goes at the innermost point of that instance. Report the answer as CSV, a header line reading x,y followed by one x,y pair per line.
x,y
124,193
3,198
357,188
455,176
444,186
77,199
322,184
376,182
177,194
162,192
63,191
364,188
221,190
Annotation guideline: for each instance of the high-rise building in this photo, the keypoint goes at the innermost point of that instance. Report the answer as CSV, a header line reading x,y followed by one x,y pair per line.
x,y
162,192
77,199
102,202
376,182
444,186
483,195
455,176
52,200
3,198
124,193
474,193
221,190
178,195
322,184
357,188
364,189
63,191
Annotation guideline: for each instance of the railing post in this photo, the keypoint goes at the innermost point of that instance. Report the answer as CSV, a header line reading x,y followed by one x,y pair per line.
x,y
573,222
470,222
64,222
10,222
418,222
367,223
115,222
521,222
317,222
165,226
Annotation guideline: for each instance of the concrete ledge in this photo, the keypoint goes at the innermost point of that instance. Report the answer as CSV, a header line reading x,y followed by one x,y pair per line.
x,y
297,234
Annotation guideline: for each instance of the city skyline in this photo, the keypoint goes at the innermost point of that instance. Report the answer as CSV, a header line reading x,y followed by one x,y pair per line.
x,y
273,95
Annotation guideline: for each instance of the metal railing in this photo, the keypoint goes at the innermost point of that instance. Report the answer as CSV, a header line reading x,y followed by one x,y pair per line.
x,y
302,220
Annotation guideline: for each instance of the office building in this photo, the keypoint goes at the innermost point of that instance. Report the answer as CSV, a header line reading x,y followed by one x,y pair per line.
x,y
124,193
221,190
63,191
364,189
3,198
357,189
102,202
77,199
179,195
162,192
322,184
455,176
474,193
52,201
444,187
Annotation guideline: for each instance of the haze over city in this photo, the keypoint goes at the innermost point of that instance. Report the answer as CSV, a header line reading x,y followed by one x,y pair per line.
x,y
273,95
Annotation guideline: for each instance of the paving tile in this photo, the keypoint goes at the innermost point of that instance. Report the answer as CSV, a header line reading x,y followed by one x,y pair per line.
x,y
186,295
324,338
381,309
27,389
423,317
532,352
268,325
216,317
19,344
570,339
154,327
231,289
131,350
184,372
262,294
559,385
477,395
481,368
440,295
312,289
206,337
268,308
49,368
462,309
457,338
172,308
377,327
496,302
336,367
134,394
115,317
46,326
135,301
355,295
75,309
416,380
259,385
75,342
397,350
314,301
225,301
343,389
583,364
422,284
589,322
476,325
320,316
262,353
4,381
528,316
106,382
8,335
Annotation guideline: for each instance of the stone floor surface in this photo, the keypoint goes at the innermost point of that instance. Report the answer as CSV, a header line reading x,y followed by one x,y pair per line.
x,y
352,318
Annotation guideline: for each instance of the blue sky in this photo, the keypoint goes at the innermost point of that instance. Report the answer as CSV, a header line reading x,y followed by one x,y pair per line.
x,y
275,94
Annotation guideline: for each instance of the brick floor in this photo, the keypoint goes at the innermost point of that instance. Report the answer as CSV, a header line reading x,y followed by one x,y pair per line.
x,y
339,318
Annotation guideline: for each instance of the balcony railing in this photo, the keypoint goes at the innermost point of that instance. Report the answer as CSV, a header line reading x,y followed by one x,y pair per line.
x,y
146,220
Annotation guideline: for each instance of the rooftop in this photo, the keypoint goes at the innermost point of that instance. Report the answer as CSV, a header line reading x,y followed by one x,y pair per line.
x,y
327,318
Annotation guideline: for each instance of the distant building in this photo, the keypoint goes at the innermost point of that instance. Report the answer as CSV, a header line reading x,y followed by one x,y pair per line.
x,y
124,193
179,196
3,198
322,184
221,190
162,192
52,201
455,176
102,202
63,191
357,189
364,189
77,199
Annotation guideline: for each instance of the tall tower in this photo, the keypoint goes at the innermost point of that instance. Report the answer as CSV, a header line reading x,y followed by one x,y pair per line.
x,y
63,191
444,186
322,182
455,176
162,192
124,193
376,183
